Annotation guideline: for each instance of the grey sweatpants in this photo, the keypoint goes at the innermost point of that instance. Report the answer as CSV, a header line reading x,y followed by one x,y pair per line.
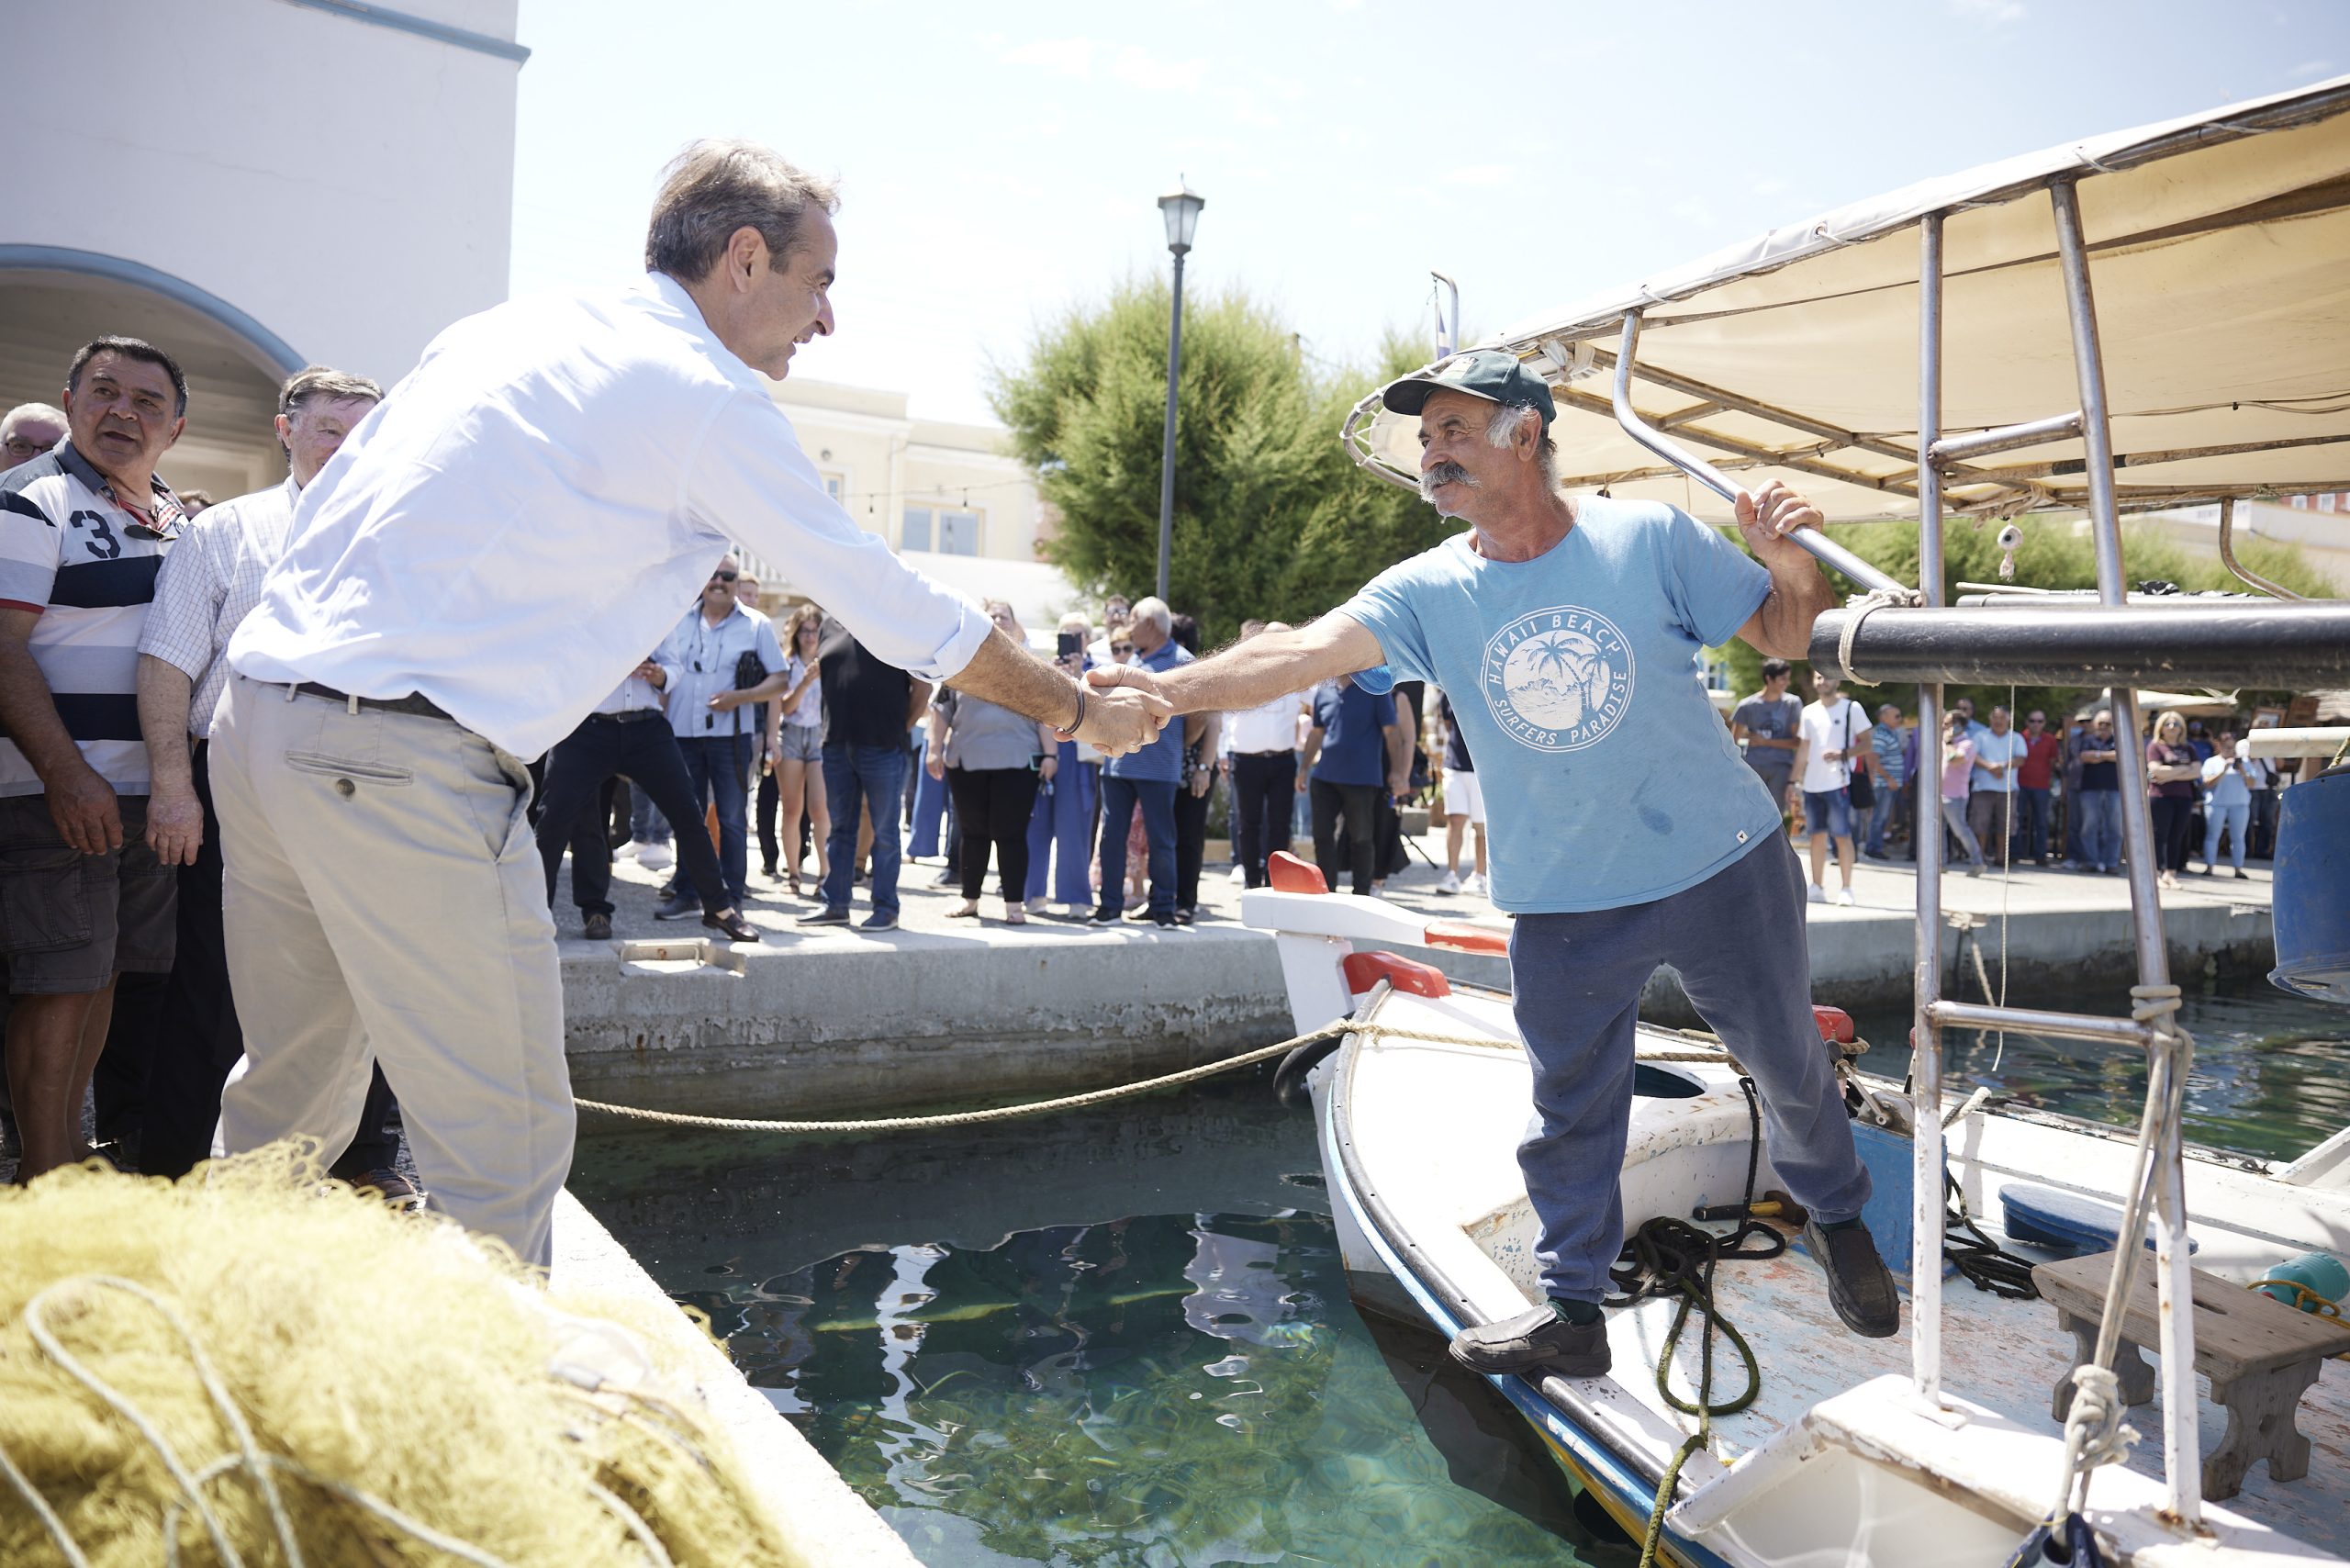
x,y
385,901
1737,939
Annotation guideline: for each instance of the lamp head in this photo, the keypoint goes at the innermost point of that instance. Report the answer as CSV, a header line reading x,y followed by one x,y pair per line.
x,y
1181,209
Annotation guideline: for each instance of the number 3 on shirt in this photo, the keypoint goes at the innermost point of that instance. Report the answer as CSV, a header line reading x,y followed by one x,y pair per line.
x,y
105,546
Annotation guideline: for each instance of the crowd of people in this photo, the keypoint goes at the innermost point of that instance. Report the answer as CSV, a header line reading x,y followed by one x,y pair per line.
x,y
2007,794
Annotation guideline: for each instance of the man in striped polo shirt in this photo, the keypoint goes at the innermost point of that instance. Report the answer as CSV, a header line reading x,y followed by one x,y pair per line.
x,y
83,898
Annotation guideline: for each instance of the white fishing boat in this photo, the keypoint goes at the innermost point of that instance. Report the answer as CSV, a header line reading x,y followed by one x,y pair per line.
x,y
2221,251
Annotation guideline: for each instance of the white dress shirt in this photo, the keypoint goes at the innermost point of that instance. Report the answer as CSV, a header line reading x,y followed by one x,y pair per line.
x,y
210,583
1268,726
635,694
510,529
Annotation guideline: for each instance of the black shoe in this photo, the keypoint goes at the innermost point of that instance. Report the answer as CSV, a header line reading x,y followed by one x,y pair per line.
x,y
878,921
737,929
667,889
679,907
2243,875
1859,1287
597,927
1539,1339
1103,915
831,914
770,870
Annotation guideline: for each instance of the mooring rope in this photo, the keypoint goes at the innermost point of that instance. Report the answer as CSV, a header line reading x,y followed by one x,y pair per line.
x,y
1335,1029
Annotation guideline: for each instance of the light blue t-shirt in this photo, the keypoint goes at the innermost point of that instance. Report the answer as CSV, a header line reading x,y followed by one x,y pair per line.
x,y
1163,760
1608,777
2011,748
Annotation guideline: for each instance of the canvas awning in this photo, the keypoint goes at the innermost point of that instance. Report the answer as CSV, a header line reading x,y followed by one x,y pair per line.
x,y
2220,250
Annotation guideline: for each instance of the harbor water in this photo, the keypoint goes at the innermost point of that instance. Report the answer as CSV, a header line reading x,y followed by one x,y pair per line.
x,y
1122,1337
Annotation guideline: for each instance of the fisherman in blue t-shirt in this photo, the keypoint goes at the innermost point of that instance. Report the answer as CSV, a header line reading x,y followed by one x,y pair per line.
x,y
1626,830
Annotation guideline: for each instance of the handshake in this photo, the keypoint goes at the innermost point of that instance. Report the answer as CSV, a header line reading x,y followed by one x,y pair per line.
x,y
1124,710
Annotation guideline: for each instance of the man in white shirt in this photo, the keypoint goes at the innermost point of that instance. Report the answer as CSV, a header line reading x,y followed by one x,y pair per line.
x,y
1999,750
207,586
714,715
492,551
1264,773
1831,742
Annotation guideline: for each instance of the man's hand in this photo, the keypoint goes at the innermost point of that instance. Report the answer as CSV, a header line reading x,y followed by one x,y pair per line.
x,y
1765,521
1109,678
1118,722
174,825
1202,781
83,805
725,701
934,762
1399,786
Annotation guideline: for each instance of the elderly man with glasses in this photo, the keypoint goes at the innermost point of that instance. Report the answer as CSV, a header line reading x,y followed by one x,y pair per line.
x,y
28,430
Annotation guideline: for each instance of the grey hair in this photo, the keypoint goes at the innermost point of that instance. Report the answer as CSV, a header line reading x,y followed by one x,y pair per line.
x,y
318,381
1502,429
32,412
1154,610
715,189
1077,621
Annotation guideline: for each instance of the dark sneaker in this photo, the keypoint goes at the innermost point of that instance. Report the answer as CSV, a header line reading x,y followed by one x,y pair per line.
x,y
1102,916
678,908
732,923
597,927
1536,1341
396,1190
831,914
1859,1287
878,920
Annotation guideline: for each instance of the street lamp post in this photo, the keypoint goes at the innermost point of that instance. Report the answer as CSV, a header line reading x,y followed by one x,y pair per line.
x,y
1181,207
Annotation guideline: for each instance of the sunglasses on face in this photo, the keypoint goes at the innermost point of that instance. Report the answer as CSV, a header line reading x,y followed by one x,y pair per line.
x,y
724,576
1122,648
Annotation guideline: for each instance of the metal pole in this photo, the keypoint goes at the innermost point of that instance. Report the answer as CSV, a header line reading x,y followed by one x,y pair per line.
x,y
1167,458
1926,840
2182,1447
1448,331
2228,553
1823,548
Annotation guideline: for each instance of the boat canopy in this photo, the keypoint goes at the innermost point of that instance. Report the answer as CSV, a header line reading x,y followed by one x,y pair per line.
x,y
2220,250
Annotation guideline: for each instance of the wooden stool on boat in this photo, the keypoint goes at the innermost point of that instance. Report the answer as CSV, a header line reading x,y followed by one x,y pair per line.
x,y
2259,1354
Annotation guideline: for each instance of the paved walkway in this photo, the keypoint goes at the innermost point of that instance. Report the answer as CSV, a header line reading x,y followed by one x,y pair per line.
x,y
1879,887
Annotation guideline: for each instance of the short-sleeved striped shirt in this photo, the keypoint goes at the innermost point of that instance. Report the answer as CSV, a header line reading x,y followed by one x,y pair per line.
x,y
69,552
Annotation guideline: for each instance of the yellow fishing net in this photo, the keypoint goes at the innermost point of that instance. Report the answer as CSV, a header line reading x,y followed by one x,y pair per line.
x,y
252,1367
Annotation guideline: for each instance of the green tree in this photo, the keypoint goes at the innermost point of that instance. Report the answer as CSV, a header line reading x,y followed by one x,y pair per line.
x,y
1086,411
1271,518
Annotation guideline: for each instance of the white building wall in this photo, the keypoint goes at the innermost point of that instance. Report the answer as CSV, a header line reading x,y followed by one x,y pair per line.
x,y
347,185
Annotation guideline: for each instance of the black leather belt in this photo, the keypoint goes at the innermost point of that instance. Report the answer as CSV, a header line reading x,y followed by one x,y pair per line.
x,y
421,707
632,716
1285,751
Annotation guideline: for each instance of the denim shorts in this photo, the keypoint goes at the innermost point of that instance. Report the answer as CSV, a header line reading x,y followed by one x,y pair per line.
x,y
803,743
1828,811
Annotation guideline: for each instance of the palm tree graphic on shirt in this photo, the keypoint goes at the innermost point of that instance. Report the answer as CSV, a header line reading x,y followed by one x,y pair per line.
x,y
1555,680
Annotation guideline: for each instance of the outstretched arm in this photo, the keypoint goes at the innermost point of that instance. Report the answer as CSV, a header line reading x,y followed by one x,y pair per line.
x,y
1270,665
1007,675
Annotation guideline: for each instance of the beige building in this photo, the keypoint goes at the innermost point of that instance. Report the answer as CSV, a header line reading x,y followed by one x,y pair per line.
x,y
948,496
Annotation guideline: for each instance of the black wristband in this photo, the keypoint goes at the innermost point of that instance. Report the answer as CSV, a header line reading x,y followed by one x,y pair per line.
x,y
1077,724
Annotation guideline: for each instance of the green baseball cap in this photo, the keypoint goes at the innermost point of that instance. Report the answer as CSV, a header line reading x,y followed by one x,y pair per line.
x,y
1490,374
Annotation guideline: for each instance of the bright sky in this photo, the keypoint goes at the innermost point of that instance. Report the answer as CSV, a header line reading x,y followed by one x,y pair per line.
x,y
1001,164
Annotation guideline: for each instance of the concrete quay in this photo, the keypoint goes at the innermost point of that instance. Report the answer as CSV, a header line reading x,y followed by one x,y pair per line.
x,y
835,1021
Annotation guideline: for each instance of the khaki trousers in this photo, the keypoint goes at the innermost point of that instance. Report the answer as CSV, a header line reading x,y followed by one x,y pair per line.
x,y
385,902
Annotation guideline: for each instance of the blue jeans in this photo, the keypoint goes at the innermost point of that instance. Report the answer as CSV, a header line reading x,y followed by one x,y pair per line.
x,y
1577,980
932,802
1827,811
1881,814
1156,799
2100,828
2237,820
854,777
2033,821
645,822
720,768
1061,831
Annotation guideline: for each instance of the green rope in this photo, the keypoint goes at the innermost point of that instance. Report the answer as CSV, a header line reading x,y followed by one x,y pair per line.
x,y
1668,1256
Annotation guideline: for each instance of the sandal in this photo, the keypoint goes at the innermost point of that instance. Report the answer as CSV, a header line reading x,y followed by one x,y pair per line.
x,y
966,911
1015,916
